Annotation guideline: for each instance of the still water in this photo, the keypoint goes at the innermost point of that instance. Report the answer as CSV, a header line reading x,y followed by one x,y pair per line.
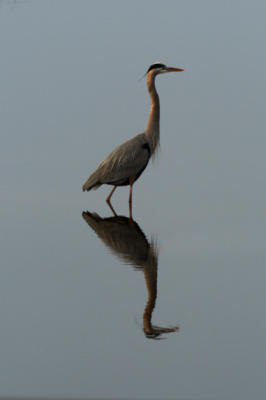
x,y
172,304
104,308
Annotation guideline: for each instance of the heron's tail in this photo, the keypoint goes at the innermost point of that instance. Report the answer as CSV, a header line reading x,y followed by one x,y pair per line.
x,y
92,182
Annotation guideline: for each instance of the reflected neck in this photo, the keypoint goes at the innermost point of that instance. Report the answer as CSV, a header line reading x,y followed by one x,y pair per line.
x,y
150,274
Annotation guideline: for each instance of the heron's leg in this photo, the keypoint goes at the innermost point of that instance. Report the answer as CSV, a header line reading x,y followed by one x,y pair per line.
x,y
131,181
108,201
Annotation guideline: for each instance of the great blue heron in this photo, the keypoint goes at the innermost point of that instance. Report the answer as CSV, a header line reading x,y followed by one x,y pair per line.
x,y
127,162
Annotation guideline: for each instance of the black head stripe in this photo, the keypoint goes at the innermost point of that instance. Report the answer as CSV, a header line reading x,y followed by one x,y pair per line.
x,y
155,66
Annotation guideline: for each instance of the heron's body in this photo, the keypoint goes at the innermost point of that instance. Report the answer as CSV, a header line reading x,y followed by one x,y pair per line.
x,y
126,161
124,165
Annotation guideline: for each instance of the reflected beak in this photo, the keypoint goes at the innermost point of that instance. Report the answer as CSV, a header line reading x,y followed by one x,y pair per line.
x,y
171,69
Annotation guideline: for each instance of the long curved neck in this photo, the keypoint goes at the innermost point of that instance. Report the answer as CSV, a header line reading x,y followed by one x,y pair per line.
x,y
153,127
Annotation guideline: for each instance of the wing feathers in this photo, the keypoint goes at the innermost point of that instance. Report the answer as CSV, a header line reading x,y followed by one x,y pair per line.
x,y
123,162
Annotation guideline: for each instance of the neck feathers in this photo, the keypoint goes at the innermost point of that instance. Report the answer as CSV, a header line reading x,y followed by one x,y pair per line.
x,y
153,127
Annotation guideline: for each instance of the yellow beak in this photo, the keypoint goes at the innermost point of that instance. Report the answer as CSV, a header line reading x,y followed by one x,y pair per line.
x,y
171,69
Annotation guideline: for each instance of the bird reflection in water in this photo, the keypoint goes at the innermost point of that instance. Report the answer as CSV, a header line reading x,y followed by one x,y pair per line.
x,y
126,240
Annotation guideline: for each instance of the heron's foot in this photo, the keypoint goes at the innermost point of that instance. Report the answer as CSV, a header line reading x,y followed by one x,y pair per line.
x,y
131,221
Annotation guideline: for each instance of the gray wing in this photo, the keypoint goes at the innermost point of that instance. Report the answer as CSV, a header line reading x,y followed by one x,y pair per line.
x,y
127,160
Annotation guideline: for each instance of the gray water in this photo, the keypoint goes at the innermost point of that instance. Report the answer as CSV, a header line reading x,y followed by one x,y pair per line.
x,y
170,306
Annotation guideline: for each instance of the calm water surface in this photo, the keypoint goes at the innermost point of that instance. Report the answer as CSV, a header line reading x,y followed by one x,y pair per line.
x,y
172,305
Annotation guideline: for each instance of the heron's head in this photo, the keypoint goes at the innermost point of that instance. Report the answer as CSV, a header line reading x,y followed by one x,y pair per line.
x,y
159,68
